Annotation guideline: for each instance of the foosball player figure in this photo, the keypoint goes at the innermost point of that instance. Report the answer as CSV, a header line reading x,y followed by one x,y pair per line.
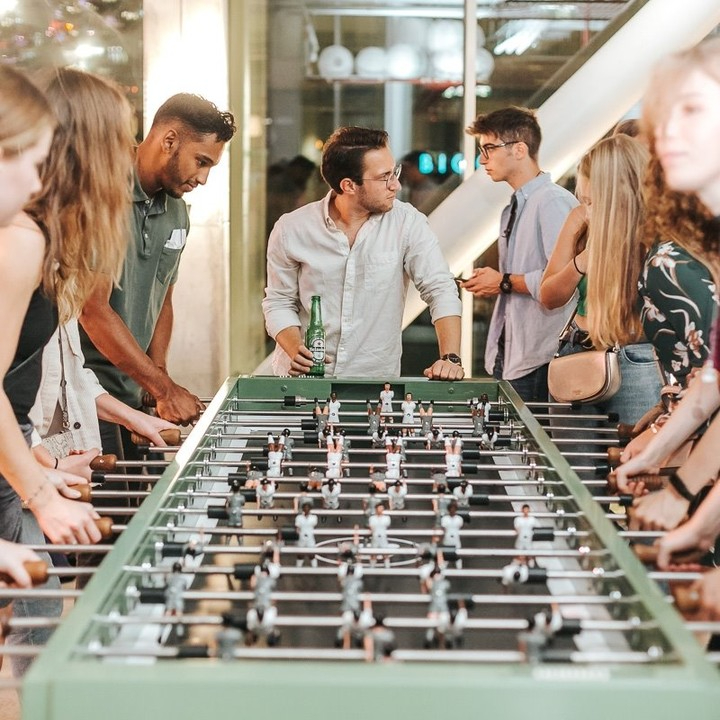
x,y
451,524
453,460
333,405
380,437
254,475
426,417
234,506
524,525
408,406
438,610
393,461
454,443
542,629
373,419
370,501
379,524
330,492
315,479
227,640
175,587
265,493
489,437
516,572
386,403
351,585
397,492
378,479
334,457
458,620
440,502
287,444
320,414
345,443
305,524
261,623
430,557
324,435
462,493
379,641
435,438
274,458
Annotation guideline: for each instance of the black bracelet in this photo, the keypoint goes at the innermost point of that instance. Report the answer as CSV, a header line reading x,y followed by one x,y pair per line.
x,y
56,463
577,269
681,488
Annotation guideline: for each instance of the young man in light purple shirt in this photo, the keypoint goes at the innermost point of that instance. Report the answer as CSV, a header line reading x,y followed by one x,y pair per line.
x,y
523,335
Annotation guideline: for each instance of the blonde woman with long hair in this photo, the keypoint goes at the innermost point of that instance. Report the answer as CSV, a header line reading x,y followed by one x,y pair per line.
x,y
74,226
606,269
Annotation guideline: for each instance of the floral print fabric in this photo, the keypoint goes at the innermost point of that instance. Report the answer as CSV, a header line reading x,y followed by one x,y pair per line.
x,y
678,302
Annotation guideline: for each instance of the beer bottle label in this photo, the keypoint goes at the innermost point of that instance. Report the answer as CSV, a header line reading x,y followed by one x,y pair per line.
x,y
317,348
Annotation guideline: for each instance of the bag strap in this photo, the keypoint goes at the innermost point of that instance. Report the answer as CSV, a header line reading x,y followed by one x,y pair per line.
x,y
63,386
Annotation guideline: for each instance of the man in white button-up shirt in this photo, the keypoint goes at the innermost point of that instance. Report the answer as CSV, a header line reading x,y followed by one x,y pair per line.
x,y
358,248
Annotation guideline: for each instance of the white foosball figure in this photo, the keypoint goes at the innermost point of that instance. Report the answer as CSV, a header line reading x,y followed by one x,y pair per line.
x,y
516,572
435,438
408,406
524,525
261,623
334,406
330,492
397,492
334,458
489,437
462,493
274,459
451,524
453,464
305,524
393,462
386,400
379,524
265,493
234,506
454,443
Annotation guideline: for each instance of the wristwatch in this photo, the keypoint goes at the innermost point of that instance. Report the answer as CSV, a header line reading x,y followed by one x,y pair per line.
x,y
506,284
453,358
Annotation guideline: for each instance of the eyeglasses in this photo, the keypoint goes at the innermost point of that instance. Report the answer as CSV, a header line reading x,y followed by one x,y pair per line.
x,y
387,178
485,150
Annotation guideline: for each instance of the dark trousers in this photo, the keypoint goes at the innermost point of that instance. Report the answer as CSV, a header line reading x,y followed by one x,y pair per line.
x,y
532,387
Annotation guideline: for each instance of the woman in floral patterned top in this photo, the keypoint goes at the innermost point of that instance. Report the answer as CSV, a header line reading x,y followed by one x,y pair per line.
x,y
678,298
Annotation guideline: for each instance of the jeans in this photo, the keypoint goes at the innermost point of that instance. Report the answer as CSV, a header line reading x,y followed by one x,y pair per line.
x,y
18,525
639,391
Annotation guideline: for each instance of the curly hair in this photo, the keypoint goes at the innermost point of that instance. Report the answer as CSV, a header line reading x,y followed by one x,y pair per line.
x,y
678,216
85,202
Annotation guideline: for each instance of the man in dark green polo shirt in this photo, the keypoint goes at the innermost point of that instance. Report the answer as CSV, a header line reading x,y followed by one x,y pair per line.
x,y
127,329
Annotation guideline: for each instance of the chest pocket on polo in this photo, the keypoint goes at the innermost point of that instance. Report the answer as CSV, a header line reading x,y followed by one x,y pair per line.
x,y
170,256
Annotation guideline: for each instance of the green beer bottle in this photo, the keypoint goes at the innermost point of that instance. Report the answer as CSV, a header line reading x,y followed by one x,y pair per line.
x,y
315,339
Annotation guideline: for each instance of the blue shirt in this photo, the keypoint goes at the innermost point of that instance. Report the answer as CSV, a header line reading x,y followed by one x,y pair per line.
x,y
531,331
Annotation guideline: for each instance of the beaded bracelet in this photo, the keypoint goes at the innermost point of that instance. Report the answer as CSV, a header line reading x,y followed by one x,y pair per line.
x,y
577,269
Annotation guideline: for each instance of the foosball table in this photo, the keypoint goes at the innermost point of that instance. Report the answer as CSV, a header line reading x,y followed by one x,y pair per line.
x,y
315,551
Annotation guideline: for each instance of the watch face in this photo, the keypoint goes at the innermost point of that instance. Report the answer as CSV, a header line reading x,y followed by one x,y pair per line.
x,y
506,285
